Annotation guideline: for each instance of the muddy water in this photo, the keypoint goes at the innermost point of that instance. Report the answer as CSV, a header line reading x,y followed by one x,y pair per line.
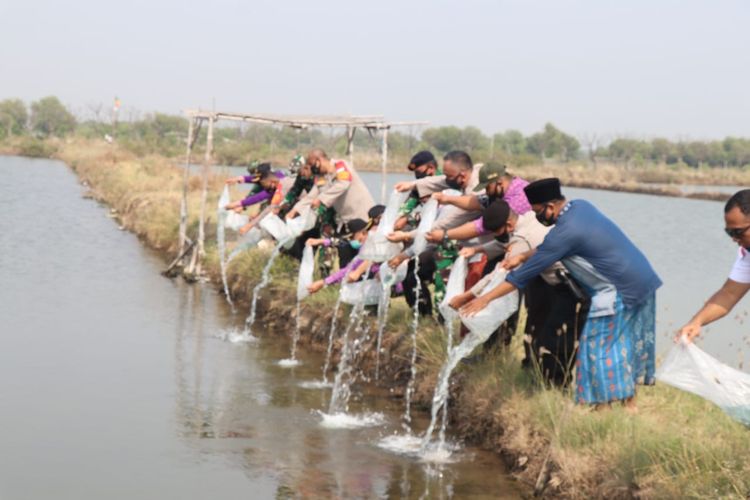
x,y
113,383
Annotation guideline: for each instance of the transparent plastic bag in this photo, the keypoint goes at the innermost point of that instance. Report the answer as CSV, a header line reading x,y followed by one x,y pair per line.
x,y
390,215
276,228
306,269
365,292
234,221
300,224
389,277
247,241
491,317
428,216
456,286
377,248
689,368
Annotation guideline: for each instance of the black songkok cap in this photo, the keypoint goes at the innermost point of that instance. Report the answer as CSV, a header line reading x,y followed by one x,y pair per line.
x,y
355,226
376,211
496,215
421,158
543,191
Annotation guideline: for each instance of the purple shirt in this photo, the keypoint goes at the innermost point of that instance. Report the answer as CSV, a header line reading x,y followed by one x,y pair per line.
x,y
261,195
515,197
341,273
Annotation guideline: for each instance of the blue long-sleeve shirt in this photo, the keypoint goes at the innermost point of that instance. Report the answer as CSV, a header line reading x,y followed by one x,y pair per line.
x,y
582,230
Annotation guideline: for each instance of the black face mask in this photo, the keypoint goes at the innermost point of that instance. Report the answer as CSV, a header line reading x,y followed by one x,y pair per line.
x,y
543,219
315,169
453,184
420,175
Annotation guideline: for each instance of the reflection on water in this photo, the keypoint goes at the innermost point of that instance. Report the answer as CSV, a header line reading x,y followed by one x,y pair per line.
x,y
115,383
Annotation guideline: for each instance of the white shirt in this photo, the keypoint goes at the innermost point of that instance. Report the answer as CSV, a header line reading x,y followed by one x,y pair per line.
x,y
741,268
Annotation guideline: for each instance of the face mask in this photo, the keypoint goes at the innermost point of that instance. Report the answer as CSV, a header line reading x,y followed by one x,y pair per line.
x,y
453,183
355,244
315,169
420,175
542,218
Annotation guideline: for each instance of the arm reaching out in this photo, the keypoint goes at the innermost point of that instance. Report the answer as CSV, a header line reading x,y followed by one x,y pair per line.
x,y
716,307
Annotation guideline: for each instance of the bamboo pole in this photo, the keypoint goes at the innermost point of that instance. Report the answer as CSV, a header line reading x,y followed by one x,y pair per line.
x,y
185,178
350,144
200,252
384,166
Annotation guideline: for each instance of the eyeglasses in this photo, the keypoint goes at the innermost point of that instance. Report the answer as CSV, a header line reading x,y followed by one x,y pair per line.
x,y
736,232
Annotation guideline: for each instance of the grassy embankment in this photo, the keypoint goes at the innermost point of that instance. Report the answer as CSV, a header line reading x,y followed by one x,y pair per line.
x,y
677,446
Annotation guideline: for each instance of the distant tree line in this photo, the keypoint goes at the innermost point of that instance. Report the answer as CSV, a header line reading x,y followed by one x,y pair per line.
x,y
236,145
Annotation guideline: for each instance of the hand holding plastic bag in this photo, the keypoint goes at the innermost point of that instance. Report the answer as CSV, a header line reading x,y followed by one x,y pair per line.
x,y
497,311
689,368
366,292
455,286
429,214
389,276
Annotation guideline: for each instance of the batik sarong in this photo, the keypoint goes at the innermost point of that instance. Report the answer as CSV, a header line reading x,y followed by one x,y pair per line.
x,y
616,352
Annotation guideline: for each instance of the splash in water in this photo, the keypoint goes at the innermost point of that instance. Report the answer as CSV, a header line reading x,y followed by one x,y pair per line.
x,y
342,383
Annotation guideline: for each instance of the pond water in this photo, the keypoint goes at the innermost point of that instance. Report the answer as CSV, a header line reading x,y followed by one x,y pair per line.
x,y
114,382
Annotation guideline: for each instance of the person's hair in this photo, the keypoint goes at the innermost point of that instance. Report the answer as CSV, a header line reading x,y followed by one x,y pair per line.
x,y
739,199
459,158
318,153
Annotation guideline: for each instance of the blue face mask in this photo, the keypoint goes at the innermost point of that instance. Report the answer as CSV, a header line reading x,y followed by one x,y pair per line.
x,y
355,244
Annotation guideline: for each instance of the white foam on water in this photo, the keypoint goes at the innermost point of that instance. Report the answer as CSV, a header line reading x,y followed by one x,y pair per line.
x,y
289,362
236,336
316,384
401,444
411,445
350,421
441,453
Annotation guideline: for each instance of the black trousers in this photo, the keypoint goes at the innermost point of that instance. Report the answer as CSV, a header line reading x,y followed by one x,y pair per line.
x,y
554,322
426,272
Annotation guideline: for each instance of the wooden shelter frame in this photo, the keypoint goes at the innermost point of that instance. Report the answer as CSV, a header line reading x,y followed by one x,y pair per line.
x,y
196,120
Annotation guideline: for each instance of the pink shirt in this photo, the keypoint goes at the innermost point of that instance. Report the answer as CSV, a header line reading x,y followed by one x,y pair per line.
x,y
514,196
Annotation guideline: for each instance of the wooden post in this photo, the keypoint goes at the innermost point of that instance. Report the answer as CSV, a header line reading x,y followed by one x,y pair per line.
x,y
350,143
185,178
384,166
200,252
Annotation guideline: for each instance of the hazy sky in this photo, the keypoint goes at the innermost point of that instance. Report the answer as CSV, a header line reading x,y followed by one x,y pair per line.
x,y
632,67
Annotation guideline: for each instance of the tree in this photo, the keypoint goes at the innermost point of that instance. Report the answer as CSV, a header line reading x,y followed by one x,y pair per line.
x,y
50,117
510,142
553,142
13,117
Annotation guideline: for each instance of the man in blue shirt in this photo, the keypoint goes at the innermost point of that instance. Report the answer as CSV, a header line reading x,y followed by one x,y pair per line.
x,y
616,347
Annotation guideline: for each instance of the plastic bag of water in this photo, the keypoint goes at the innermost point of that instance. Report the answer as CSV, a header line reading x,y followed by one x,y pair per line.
x,y
689,368
366,292
306,269
491,317
377,248
234,221
429,214
456,285
389,276
276,228
390,215
301,223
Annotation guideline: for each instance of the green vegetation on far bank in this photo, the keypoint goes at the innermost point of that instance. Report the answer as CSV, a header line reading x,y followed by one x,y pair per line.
x,y
35,130
677,446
